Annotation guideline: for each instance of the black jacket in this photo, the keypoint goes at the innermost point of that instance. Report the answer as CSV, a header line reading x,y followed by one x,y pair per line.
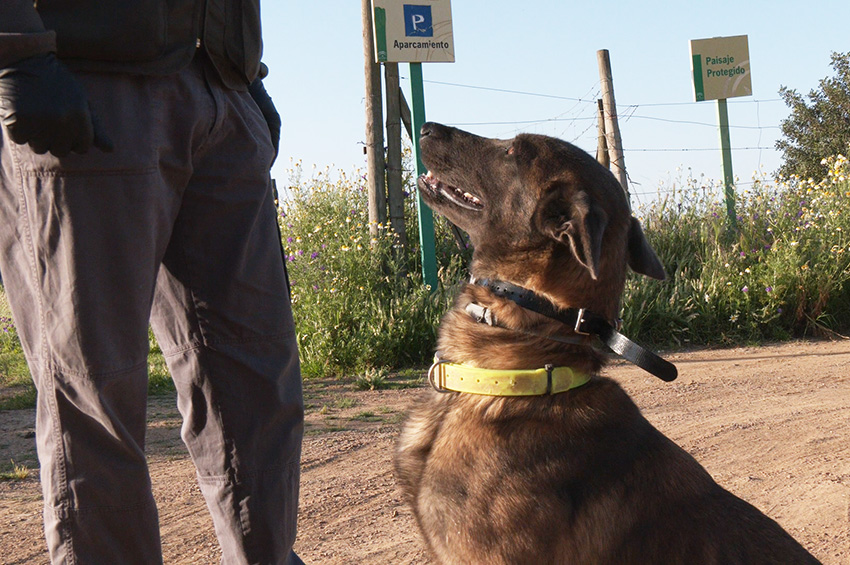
x,y
136,36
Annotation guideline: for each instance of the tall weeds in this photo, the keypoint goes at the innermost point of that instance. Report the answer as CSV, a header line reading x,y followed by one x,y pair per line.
x,y
783,273
360,303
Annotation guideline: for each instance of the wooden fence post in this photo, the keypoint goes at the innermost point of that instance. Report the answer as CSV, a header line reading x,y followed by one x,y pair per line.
x,y
395,195
602,143
612,126
374,126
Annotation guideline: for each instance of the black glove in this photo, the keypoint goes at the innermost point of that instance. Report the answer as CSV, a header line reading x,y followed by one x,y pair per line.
x,y
42,104
264,101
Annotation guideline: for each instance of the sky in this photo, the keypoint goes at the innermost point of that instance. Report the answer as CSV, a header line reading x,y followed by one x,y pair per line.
x,y
530,66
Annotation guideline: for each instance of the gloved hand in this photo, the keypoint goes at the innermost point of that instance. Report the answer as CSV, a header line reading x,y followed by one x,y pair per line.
x,y
42,104
264,101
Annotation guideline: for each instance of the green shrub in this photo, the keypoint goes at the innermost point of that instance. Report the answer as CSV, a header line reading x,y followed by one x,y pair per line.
x,y
784,273
359,301
361,308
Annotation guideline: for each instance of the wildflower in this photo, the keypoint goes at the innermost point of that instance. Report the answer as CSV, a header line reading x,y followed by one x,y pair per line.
x,y
733,318
745,289
768,289
314,254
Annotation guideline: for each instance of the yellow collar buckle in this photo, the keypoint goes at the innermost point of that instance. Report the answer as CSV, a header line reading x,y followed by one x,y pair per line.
x,y
453,377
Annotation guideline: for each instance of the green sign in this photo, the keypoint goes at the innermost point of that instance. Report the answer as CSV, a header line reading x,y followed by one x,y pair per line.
x,y
721,68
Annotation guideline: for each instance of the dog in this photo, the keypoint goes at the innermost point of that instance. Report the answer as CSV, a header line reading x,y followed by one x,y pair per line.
x,y
538,459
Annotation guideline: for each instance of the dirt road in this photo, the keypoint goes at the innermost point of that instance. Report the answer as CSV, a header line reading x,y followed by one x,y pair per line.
x,y
771,424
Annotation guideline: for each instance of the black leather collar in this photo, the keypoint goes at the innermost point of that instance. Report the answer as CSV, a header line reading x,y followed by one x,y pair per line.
x,y
584,322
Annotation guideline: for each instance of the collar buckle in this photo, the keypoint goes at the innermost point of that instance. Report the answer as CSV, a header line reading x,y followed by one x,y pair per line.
x,y
435,376
579,322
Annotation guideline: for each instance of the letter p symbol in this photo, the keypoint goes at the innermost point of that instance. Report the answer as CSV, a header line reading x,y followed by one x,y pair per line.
x,y
418,21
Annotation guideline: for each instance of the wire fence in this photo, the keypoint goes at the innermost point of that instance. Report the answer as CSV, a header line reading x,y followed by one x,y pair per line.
x,y
577,123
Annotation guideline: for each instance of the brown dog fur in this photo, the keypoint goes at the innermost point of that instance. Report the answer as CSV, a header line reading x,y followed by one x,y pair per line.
x,y
578,477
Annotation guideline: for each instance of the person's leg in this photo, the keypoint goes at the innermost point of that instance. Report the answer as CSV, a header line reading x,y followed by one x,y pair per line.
x,y
222,317
81,239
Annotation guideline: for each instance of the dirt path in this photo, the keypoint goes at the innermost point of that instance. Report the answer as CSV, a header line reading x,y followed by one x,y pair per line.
x,y
771,424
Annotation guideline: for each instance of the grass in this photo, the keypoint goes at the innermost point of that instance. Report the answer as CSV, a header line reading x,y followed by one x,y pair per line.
x,y
784,273
358,297
345,402
372,379
363,314
15,472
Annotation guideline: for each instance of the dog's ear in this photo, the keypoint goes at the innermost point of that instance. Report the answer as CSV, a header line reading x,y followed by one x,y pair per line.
x,y
642,258
582,230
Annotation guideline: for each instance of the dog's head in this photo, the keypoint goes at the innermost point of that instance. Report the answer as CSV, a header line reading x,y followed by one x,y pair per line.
x,y
539,211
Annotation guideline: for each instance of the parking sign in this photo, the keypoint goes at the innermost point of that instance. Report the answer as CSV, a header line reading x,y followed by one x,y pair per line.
x,y
418,21
413,31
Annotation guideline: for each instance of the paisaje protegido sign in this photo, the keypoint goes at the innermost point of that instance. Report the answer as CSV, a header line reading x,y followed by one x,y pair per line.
x,y
721,68
415,31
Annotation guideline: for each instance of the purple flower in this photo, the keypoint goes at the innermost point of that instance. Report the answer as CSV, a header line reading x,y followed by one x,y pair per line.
x,y
769,289
300,252
745,289
288,240
743,254
779,310
291,258
314,254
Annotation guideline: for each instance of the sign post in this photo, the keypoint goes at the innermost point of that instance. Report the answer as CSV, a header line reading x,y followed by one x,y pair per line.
x,y
721,70
416,32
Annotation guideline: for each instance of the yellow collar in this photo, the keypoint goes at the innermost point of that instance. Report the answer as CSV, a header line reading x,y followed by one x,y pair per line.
x,y
445,376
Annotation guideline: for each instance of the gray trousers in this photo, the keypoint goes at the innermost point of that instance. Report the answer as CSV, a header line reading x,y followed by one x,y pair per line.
x,y
176,227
